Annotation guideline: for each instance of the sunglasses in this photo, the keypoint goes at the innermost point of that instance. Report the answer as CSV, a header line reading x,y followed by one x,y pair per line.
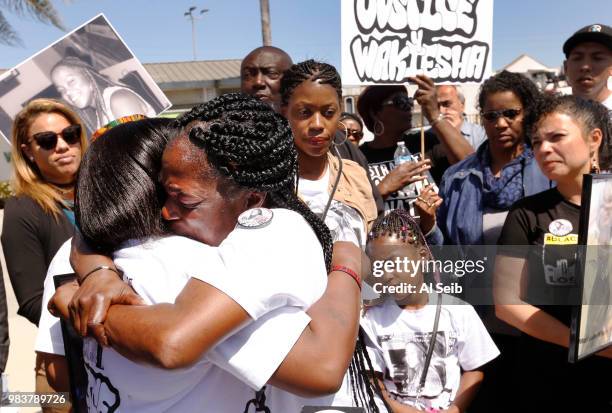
x,y
401,102
508,114
353,132
48,140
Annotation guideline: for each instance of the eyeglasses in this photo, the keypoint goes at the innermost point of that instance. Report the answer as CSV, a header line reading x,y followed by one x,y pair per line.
x,y
48,140
401,102
353,132
508,114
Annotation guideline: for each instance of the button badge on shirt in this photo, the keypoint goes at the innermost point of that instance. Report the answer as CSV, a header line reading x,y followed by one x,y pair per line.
x,y
255,218
560,227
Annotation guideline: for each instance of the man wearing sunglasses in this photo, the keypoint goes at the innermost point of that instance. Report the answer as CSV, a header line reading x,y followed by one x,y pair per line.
x,y
443,107
588,64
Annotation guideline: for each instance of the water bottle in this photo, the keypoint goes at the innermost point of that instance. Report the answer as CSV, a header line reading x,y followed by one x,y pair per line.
x,y
402,154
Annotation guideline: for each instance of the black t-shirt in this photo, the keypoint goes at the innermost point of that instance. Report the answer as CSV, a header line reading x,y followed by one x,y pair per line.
x,y
433,151
380,163
549,225
30,239
548,221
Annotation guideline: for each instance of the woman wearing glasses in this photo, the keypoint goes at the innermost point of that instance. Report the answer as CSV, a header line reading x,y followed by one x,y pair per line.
x,y
478,191
477,194
48,140
351,127
387,112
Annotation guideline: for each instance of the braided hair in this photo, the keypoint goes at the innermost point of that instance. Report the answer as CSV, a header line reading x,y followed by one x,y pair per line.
x,y
589,114
311,70
251,146
362,382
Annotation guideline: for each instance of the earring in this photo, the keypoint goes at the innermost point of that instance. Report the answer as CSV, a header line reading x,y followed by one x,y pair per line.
x,y
379,128
595,167
31,159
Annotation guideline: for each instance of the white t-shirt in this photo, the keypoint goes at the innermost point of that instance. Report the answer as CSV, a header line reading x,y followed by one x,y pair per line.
x,y
275,293
398,339
344,222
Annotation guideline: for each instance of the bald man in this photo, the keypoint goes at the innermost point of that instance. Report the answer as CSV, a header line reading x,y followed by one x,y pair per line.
x,y
445,115
261,72
451,104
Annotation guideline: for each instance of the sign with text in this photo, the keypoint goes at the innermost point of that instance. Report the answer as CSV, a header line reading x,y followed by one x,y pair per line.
x,y
386,41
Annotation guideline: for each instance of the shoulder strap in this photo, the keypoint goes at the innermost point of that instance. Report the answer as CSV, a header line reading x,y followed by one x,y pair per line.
x,y
432,343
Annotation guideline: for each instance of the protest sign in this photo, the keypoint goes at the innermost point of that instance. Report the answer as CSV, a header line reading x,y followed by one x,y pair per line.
x,y
386,41
92,70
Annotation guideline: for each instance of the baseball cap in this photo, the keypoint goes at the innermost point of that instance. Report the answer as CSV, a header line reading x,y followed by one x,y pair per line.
x,y
598,33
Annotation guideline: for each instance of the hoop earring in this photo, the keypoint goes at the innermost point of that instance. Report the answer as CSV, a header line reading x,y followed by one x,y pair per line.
x,y
343,141
379,128
595,167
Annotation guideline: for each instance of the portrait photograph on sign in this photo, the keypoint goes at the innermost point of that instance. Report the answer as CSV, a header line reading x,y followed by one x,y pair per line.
x,y
92,70
592,320
388,41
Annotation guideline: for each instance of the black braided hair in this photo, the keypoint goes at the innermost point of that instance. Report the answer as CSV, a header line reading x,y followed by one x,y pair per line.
x,y
252,146
401,224
589,114
362,382
309,70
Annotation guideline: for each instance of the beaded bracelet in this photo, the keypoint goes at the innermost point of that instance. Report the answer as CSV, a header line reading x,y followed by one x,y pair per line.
x,y
348,271
98,268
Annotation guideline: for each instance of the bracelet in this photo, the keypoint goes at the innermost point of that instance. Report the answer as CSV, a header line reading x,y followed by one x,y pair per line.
x,y
98,268
348,271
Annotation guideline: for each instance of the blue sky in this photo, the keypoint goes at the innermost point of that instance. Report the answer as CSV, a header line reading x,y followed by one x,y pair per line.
x,y
157,31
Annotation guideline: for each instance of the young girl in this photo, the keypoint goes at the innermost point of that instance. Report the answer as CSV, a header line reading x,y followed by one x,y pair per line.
x,y
311,101
399,330
533,288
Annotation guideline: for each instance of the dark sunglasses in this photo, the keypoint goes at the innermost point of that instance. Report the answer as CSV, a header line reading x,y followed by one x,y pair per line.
x,y
48,140
508,114
401,102
353,132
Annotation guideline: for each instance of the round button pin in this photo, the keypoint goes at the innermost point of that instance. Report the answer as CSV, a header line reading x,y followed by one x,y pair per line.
x,y
255,218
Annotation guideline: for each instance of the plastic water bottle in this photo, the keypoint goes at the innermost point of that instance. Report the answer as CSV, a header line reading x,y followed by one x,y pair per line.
x,y
402,154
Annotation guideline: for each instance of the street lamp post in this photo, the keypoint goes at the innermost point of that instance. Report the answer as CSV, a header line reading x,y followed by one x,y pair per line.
x,y
190,14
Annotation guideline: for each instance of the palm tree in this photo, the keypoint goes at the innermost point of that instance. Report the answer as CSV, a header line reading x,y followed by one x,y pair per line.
x,y
42,10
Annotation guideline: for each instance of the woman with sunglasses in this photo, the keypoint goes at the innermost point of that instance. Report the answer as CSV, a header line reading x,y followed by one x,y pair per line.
x,y
387,112
351,127
48,140
478,191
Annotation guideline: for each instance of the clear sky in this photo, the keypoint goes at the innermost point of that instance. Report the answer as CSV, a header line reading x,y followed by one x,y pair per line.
x,y
157,31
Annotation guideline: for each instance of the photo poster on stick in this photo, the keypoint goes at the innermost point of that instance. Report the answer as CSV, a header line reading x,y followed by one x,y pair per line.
x,y
386,41
92,71
591,326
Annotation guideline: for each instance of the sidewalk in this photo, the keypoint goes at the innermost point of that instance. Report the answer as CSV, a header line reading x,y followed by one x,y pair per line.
x,y
20,366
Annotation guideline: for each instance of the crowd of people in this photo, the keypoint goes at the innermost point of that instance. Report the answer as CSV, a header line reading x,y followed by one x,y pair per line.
x,y
220,259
